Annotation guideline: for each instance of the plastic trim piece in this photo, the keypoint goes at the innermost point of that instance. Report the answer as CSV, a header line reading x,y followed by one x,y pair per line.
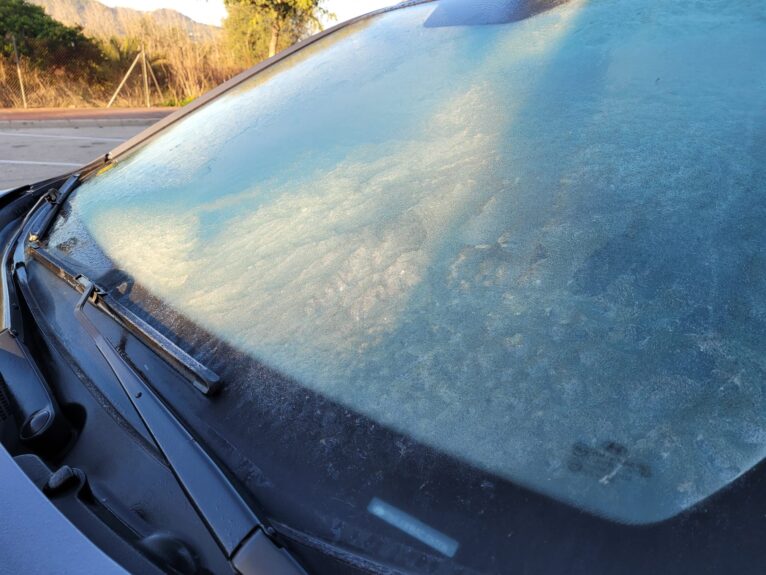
x,y
259,556
30,523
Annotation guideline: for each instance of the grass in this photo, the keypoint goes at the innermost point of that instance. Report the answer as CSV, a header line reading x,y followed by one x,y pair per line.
x,y
185,68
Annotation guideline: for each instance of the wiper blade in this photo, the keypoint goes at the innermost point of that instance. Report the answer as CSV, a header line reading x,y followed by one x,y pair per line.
x,y
202,377
241,534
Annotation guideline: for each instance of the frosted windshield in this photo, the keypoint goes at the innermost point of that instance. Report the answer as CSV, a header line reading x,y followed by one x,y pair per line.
x,y
539,247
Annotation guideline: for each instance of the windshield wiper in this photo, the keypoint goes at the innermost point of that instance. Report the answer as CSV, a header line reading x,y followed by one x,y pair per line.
x,y
244,538
242,535
55,198
10,319
202,377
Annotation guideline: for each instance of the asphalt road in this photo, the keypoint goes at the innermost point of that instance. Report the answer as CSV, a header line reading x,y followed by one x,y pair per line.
x,y
39,144
29,154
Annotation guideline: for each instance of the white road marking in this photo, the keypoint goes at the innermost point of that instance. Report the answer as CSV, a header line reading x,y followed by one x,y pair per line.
x,y
31,163
57,137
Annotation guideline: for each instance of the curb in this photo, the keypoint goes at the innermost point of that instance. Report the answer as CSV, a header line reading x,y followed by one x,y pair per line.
x,y
78,123
81,117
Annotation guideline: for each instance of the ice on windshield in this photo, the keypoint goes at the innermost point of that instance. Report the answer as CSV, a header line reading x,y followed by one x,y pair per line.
x,y
539,246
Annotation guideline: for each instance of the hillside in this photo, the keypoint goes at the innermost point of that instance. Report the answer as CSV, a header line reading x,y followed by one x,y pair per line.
x,y
103,22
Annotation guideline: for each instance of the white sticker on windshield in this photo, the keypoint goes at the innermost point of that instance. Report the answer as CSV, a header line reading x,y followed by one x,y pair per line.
x,y
413,527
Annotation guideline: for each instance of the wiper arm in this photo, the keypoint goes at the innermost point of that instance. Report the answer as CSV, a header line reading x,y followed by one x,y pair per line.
x,y
240,533
8,259
202,377
56,198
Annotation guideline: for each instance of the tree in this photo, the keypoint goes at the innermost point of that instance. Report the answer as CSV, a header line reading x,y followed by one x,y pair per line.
x,y
46,42
283,19
246,34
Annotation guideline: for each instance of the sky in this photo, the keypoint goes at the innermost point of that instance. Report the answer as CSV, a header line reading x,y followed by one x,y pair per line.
x,y
213,11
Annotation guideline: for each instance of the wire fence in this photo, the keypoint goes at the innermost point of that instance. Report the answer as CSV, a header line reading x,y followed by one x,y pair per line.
x,y
43,79
131,77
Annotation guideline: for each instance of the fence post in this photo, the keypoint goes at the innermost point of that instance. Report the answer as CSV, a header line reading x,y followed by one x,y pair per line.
x,y
18,71
156,83
124,79
146,77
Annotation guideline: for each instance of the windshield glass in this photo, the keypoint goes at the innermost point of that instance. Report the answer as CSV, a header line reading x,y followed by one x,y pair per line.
x,y
536,247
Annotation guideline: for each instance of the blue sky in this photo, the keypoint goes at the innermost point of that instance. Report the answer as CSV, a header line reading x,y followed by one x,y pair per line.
x,y
213,11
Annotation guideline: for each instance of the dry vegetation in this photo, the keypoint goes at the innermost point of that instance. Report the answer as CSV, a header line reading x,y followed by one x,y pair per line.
x,y
74,53
187,58
44,89
185,65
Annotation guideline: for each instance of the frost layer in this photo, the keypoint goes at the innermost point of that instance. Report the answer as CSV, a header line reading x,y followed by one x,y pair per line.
x,y
538,247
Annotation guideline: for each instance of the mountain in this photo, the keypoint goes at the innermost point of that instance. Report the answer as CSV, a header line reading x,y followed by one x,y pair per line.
x,y
103,22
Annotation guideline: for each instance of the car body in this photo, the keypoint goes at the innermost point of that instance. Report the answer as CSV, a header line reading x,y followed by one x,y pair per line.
x,y
454,287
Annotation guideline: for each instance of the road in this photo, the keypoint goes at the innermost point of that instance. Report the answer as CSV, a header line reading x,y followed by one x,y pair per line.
x,y
31,154
39,145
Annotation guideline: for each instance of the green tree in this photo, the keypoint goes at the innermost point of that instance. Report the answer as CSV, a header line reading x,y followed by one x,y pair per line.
x,y
246,34
46,42
283,21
